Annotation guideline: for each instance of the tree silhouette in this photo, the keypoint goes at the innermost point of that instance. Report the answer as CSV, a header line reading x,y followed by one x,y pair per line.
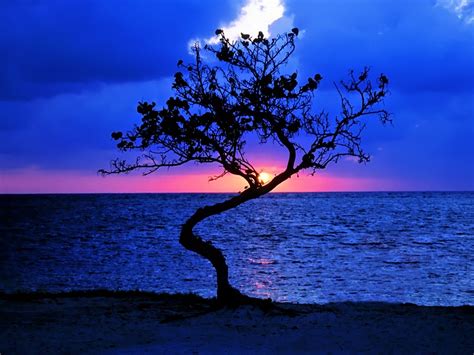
x,y
217,107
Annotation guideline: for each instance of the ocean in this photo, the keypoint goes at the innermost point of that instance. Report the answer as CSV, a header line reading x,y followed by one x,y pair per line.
x,y
415,247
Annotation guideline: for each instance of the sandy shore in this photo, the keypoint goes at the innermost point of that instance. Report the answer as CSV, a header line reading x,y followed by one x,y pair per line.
x,y
129,323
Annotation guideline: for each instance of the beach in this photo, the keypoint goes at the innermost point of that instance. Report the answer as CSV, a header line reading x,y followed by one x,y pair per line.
x,y
135,322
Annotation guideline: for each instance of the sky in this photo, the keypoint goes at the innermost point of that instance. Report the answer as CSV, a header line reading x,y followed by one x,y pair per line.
x,y
73,71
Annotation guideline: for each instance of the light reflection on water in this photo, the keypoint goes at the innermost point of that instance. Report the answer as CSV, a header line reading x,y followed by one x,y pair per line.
x,y
397,247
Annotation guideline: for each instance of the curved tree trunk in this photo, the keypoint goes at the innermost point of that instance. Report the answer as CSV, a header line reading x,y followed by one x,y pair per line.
x,y
226,294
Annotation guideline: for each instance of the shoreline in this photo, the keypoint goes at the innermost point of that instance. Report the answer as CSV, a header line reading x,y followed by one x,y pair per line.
x,y
141,322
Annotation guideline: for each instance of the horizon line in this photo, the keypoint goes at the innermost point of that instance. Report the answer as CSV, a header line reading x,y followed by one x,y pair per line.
x,y
228,193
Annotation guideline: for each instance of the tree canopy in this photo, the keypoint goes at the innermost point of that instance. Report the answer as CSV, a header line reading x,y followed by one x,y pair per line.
x,y
237,90
217,106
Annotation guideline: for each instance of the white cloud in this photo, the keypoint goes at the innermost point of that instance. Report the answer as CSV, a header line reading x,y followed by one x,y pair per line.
x,y
464,9
255,16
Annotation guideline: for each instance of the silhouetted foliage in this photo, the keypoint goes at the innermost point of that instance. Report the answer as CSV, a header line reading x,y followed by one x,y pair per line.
x,y
216,108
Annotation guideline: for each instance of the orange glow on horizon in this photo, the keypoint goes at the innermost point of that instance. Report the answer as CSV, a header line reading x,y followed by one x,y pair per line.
x,y
42,181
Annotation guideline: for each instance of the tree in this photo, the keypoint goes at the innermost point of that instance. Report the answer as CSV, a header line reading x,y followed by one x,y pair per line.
x,y
218,104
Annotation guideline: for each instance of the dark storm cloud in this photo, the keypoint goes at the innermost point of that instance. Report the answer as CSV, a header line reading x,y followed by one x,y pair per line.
x,y
51,47
419,45
72,131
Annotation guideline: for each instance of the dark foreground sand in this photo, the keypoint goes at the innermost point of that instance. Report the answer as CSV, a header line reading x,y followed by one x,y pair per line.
x,y
129,323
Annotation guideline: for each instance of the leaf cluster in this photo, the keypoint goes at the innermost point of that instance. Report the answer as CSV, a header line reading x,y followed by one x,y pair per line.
x,y
217,104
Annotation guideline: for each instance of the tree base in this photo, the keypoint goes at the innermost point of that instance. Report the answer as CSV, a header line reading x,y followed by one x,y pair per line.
x,y
233,298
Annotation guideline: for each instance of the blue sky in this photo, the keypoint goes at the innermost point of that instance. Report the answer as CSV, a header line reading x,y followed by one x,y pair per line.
x,y
73,71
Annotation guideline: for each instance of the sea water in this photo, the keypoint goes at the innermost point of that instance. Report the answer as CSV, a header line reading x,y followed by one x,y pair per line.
x,y
413,247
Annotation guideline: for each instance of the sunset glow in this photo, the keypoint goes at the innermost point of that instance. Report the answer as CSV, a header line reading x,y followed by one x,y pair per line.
x,y
36,181
264,177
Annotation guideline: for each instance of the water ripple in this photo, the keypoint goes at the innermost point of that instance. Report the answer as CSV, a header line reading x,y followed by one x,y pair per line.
x,y
395,247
